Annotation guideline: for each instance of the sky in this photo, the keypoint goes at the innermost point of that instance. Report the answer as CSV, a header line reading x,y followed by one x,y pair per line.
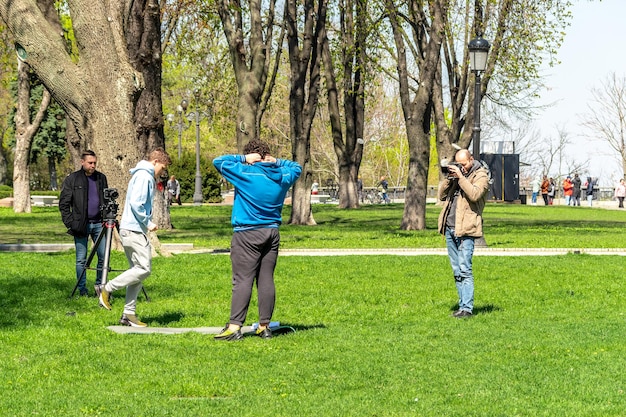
x,y
594,48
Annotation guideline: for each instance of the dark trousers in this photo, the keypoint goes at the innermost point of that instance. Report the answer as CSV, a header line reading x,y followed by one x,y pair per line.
x,y
253,255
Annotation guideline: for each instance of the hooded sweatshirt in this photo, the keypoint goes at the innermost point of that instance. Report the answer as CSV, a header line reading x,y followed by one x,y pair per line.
x,y
260,189
137,213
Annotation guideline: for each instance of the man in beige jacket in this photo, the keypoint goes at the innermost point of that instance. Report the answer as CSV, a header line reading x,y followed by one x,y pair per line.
x,y
464,192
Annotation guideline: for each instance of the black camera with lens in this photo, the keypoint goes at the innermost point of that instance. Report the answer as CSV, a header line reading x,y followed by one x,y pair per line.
x,y
445,167
109,206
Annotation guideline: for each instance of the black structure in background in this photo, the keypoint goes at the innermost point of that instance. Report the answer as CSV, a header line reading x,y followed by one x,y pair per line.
x,y
505,175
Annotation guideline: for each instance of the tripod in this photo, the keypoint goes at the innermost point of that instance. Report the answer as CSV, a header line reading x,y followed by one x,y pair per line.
x,y
108,224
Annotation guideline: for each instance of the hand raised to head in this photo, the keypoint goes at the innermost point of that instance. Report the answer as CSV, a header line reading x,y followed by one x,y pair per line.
x,y
252,158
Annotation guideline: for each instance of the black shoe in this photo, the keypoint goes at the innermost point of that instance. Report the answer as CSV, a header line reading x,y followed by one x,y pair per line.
x,y
84,292
462,314
265,333
227,334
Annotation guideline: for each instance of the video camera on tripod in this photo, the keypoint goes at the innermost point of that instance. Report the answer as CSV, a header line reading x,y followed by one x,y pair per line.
x,y
109,207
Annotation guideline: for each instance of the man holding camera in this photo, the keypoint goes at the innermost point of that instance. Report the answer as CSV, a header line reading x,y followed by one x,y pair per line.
x,y
464,193
134,227
79,204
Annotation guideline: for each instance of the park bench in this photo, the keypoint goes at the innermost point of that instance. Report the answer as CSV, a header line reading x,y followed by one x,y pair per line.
x,y
42,200
319,198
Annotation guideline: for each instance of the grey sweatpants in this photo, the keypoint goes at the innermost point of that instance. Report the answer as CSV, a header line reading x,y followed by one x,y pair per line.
x,y
139,254
253,255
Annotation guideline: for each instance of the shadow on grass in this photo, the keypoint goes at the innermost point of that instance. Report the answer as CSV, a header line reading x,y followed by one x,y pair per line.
x,y
486,309
165,318
301,327
288,328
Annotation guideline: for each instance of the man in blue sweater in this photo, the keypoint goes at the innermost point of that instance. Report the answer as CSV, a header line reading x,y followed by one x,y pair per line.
x,y
261,183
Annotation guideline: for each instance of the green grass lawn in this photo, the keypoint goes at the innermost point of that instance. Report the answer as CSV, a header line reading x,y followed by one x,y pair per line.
x,y
374,333
374,338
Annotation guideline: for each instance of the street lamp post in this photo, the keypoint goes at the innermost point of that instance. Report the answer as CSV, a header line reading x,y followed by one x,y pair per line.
x,y
478,50
180,124
197,116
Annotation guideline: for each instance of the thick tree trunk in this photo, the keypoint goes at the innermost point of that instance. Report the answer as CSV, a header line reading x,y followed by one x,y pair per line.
x,y
348,194
250,57
113,95
247,109
301,212
304,60
417,105
414,215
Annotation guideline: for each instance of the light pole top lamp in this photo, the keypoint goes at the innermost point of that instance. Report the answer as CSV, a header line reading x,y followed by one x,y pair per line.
x,y
180,125
478,50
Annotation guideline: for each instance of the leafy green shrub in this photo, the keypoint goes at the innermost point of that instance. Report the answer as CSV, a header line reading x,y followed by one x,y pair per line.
x,y
184,170
5,191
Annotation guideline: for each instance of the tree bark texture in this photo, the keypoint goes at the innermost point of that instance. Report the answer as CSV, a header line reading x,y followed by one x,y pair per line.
x,y
251,58
348,149
304,59
24,133
427,33
112,91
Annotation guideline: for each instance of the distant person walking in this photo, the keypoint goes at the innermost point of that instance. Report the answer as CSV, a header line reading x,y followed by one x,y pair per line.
x,y
173,191
384,186
576,183
568,190
620,192
359,189
589,190
551,191
545,187
315,188
536,187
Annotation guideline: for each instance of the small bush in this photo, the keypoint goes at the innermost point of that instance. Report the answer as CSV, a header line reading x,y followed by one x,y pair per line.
x,y
5,191
184,170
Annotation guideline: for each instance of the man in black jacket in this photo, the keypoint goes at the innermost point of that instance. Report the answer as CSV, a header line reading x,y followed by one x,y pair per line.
x,y
79,203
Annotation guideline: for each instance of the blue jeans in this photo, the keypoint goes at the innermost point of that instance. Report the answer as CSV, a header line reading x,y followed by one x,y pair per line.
x,y
460,252
93,230
534,198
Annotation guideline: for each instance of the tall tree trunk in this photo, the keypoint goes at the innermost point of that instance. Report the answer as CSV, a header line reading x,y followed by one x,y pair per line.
x,y
304,59
24,133
251,58
427,24
349,151
113,95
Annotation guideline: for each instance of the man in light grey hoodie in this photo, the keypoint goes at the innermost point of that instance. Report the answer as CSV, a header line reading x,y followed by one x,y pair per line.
x,y
134,227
